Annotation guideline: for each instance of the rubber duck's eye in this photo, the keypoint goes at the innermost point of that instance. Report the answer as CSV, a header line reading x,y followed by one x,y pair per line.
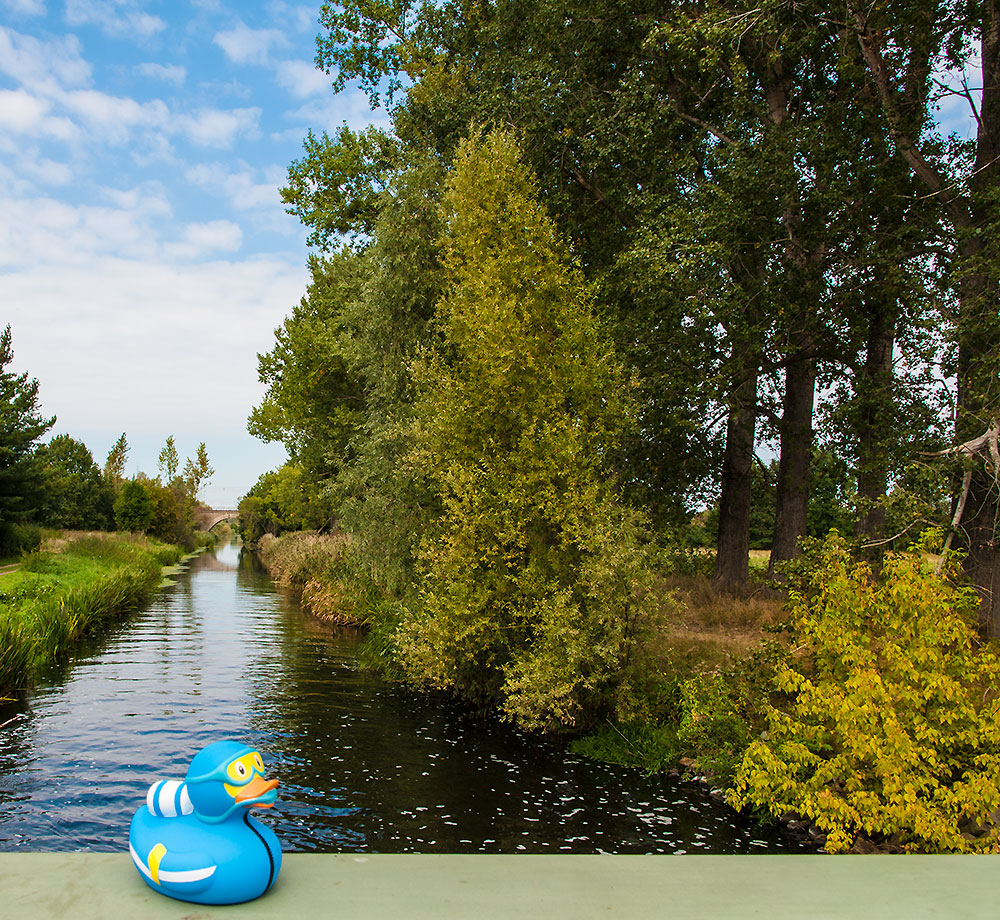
x,y
258,762
238,770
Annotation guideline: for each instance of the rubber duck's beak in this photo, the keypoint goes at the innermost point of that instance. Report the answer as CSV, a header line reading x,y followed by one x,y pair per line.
x,y
259,792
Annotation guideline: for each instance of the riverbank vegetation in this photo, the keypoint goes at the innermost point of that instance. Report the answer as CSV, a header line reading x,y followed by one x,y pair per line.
x,y
727,284
68,589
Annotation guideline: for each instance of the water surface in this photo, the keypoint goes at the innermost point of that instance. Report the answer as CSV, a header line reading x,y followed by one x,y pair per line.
x,y
364,766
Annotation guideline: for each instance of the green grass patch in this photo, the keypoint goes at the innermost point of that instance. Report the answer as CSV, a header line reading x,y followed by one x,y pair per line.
x,y
56,599
647,745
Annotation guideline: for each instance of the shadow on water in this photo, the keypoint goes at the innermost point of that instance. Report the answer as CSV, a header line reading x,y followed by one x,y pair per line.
x,y
364,765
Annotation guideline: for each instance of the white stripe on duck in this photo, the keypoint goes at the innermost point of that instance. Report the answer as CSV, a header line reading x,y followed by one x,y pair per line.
x,y
168,799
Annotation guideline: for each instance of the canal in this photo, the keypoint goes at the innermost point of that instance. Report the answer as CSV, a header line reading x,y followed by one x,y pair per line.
x,y
364,765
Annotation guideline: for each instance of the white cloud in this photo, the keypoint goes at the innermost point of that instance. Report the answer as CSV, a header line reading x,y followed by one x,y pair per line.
x,y
218,127
42,65
23,113
115,116
25,7
46,171
329,113
152,347
241,189
52,236
149,199
302,78
298,18
202,239
244,45
119,18
171,73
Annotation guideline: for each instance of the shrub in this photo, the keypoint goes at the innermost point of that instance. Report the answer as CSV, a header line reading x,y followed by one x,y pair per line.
x,y
19,538
890,725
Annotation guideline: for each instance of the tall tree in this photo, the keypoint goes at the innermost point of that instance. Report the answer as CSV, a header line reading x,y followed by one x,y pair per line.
x,y
530,589
76,495
199,471
902,44
21,425
114,465
169,461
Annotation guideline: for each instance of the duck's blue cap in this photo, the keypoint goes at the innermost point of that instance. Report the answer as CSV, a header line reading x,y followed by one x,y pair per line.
x,y
207,779
211,762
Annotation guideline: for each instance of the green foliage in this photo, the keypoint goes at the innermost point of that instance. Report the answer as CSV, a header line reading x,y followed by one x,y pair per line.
x,y
77,496
334,189
20,427
173,513
19,538
633,743
717,720
134,507
533,573
197,472
830,495
168,461
315,402
286,499
890,723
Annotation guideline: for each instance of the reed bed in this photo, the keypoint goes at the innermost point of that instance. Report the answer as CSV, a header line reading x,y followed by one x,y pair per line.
x,y
313,564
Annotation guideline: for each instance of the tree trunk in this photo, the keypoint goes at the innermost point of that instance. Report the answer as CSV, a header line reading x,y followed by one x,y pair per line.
x,y
975,219
794,462
732,561
873,391
979,334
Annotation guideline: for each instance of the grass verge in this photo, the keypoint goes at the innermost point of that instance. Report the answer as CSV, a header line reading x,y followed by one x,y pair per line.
x,y
66,591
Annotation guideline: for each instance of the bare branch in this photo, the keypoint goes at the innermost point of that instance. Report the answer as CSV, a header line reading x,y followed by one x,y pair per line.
x,y
956,520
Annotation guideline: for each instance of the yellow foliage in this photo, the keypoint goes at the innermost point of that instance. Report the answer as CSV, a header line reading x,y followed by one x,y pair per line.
x,y
889,725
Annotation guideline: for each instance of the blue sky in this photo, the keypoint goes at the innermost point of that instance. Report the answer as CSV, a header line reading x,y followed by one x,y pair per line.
x,y
145,255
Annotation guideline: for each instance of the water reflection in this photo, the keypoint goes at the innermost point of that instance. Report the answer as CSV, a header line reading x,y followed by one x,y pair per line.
x,y
364,766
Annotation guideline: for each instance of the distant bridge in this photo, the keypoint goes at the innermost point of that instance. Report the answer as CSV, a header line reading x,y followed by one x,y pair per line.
x,y
207,518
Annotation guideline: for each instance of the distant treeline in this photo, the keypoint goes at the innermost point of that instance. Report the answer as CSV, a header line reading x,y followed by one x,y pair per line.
x,y
58,484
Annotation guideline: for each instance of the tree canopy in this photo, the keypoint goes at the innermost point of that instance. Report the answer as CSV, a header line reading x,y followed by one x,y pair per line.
x,y
788,256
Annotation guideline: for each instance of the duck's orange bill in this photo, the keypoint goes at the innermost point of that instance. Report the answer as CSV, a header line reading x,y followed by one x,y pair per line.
x,y
256,788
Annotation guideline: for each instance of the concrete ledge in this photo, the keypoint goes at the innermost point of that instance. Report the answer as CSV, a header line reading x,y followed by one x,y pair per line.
x,y
403,887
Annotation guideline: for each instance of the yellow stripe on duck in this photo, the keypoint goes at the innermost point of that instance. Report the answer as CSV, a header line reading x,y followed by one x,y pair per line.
x,y
195,840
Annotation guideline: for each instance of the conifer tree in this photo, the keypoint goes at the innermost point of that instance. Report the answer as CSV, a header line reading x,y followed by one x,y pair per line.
x,y
21,426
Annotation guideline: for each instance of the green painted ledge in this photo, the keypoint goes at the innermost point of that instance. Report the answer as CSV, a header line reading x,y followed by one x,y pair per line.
x,y
403,887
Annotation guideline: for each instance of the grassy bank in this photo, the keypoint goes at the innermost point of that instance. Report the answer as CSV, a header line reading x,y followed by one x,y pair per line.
x,y
699,684
68,589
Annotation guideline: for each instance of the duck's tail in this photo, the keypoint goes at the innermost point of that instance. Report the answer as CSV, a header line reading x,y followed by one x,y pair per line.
x,y
169,798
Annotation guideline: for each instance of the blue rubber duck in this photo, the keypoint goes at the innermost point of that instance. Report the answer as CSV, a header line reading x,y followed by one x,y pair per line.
x,y
195,840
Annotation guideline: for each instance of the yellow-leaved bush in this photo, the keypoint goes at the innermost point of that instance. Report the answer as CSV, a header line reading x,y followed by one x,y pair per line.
x,y
888,723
